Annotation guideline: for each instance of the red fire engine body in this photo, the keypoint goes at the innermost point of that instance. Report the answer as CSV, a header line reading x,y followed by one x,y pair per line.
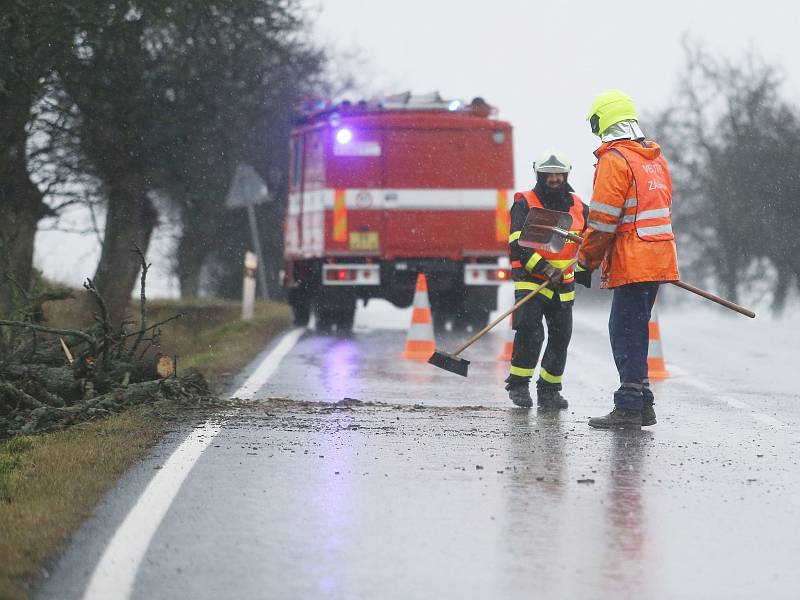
x,y
381,192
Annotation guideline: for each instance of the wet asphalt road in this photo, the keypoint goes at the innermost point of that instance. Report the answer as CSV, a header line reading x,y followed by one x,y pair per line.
x,y
428,485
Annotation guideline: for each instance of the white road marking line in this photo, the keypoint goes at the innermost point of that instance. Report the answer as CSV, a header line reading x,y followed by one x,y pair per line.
x,y
113,577
116,571
713,394
267,367
691,381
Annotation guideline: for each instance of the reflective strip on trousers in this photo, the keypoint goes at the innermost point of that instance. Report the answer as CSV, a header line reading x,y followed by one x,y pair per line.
x,y
520,372
549,377
514,236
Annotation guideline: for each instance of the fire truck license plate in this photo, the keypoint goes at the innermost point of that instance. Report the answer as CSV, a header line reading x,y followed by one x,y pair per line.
x,y
363,240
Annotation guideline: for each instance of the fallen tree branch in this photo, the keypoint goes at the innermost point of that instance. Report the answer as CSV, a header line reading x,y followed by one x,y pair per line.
x,y
142,301
104,322
20,324
159,324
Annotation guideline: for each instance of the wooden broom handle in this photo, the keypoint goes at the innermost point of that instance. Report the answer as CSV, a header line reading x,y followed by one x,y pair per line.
x,y
519,303
721,301
686,286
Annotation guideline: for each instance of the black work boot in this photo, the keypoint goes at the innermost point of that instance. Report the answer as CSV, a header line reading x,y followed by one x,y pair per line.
x,y
520,395
619,418
648,412
550,398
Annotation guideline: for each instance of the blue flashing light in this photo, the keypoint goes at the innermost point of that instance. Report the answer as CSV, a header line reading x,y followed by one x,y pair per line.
x,y
454,105
344,136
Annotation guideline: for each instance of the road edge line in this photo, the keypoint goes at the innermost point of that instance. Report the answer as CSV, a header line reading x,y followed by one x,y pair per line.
x,y
267,367
115,572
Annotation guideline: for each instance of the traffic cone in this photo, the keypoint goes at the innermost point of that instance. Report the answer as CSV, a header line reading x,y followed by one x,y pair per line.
x,y
508,348
656,369
419,342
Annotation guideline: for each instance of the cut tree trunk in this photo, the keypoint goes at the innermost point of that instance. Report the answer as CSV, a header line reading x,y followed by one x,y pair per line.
x,y
56,380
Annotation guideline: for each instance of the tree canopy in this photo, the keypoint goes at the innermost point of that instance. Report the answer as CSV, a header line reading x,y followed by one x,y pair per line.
x,y
733,143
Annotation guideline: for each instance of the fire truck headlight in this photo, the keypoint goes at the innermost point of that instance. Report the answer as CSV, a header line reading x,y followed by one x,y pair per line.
x,y
454,105
343,136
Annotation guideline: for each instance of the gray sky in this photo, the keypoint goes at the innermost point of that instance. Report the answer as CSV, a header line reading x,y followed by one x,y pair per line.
x,y
542,66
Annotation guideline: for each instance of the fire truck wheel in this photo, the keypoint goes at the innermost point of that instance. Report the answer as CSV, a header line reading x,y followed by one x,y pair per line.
x,y
336,314
301,306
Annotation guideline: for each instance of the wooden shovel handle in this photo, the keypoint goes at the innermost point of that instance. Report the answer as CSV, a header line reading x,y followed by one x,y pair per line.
x,y
688,287
519,303
570,236
709,296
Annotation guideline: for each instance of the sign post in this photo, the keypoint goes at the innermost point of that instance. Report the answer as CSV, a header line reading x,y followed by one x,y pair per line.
x,y
246,191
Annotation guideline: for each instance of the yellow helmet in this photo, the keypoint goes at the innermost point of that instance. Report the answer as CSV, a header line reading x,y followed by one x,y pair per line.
x,y
610,107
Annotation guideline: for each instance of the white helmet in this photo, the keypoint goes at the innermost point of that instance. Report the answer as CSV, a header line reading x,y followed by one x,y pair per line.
x,y
552,161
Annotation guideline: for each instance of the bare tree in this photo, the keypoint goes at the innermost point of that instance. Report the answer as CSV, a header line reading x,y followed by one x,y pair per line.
x,y
33,37
733,144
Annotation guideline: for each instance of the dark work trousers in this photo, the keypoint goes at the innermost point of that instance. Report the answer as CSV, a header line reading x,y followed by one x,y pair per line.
x,y
629,332
529,338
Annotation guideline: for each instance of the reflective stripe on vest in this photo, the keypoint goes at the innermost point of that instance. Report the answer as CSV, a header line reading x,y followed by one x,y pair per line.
x,y
527,286
649,212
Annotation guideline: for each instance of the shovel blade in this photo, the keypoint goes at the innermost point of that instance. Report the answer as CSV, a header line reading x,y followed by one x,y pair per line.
x,y
449,362
539,231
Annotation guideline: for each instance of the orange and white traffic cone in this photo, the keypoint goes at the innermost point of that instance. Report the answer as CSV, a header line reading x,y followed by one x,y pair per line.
x,y
420,343
508,347
656,369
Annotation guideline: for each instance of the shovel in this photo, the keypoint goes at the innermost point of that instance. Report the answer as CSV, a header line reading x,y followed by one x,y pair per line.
x,y
544,231
453,362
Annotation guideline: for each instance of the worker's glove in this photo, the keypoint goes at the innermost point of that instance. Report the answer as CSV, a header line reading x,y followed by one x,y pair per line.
x,y
554,276
583,275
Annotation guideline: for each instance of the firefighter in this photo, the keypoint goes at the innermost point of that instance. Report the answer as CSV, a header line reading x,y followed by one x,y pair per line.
x,y
630,237
554,303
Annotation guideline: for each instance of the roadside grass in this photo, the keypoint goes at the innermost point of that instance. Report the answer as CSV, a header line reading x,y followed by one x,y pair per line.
x,y
50,483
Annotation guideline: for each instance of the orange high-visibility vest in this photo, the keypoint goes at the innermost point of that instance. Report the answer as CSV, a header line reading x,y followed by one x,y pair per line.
x,y
570,249
649,211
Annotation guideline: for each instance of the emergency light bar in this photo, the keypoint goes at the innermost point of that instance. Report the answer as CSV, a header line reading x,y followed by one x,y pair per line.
x,y
312,110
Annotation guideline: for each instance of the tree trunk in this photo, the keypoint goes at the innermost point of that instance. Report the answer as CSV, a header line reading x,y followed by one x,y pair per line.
x,y
193,250
729,272
782,288
21,208
130,219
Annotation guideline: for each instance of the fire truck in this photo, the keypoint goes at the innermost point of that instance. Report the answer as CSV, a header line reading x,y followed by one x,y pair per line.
x,y
381,191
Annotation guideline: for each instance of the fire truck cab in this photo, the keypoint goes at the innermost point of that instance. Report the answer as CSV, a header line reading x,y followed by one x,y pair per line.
x,y
381,191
